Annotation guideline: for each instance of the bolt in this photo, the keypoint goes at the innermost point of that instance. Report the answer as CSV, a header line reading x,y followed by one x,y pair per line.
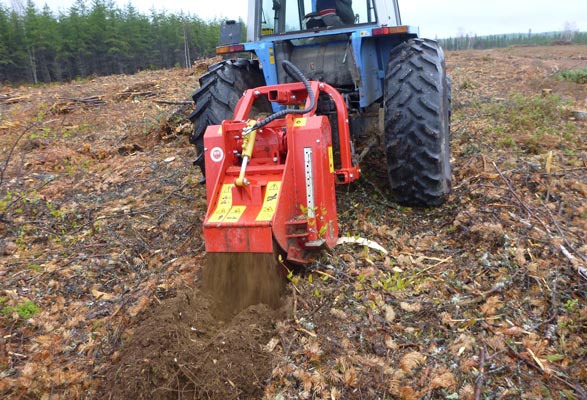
x,y
257,93
321,86
205,149
317,140
275,159
351,176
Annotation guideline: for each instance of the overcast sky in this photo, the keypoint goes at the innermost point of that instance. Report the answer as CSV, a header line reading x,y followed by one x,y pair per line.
x,y
435,18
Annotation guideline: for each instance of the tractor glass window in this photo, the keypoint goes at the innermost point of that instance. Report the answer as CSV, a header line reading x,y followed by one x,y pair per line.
x,y
267,18
280,16
294,15
273,16
364,11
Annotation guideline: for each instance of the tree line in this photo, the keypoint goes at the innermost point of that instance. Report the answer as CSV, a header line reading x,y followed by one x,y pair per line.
x,y
471,41
37,45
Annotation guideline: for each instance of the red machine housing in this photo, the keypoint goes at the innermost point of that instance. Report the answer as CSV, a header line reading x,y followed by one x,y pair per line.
x,y
289,197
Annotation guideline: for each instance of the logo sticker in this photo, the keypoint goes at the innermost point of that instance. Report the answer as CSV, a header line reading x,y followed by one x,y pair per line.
x,y
216,154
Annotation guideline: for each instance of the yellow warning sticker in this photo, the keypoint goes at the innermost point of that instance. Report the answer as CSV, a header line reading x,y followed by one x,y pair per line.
x,y
269,202
234,214
219,214
271,56
300,122
330,160
224,203
225,211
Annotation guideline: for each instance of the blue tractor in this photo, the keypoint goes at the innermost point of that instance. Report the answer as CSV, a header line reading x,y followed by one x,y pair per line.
x,y
394,83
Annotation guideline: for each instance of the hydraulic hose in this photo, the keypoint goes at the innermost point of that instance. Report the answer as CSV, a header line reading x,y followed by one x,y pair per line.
x,y
295,73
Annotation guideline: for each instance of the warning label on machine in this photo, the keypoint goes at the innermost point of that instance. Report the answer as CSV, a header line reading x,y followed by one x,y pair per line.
x,y
234,214
225,211
330,160
300,122
269,202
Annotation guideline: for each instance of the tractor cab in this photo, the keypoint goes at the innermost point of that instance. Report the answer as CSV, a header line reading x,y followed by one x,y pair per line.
x,y
283,16
279,17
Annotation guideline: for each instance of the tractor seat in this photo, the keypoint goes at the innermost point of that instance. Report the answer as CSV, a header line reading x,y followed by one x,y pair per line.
x,y
314,20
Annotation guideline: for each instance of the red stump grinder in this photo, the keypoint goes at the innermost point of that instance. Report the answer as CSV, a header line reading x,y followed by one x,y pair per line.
x,y
270,181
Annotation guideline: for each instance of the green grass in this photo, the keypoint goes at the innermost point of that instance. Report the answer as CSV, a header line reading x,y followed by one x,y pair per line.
x,y
535,113
25,310
532,123
574,75
35,267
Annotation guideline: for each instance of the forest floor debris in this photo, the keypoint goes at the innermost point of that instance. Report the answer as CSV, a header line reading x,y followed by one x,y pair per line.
x,y
101,253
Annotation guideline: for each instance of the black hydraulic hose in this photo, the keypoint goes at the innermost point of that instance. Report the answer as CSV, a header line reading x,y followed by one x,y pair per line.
x,y
293,72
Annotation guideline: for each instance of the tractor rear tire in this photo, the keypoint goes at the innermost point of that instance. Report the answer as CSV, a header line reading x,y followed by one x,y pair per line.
x,y
221,87
417,124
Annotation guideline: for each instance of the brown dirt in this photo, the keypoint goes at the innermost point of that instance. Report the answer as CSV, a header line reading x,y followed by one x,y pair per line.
x,y
212,342
100,215
183,349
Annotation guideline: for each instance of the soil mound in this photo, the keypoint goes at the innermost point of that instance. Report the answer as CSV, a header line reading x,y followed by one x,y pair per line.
x,y
183,350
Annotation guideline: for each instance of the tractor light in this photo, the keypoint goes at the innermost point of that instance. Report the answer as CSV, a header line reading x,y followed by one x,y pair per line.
x,y
390,30
233,48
